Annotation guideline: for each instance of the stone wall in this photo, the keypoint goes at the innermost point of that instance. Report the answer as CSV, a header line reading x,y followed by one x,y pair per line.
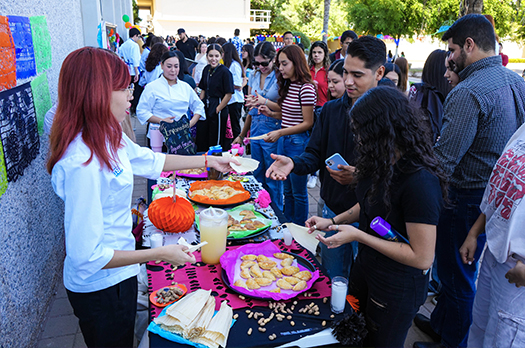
x,y
31,224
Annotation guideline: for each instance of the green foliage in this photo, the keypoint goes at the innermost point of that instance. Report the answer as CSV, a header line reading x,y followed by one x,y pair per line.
x,y
396,18
304,39
136,18
503,13
305,16
437,12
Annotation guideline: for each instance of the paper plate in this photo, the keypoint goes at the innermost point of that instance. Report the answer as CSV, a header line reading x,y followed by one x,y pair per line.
x,y
153,295
247,165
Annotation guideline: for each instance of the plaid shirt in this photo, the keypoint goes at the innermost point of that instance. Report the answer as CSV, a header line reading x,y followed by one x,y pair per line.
x,y
481,114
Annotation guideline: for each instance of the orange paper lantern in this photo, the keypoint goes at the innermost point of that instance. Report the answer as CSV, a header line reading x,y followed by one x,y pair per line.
x,y
170,216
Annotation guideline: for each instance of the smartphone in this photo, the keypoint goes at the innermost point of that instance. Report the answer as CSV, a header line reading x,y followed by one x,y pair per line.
x,y
336,159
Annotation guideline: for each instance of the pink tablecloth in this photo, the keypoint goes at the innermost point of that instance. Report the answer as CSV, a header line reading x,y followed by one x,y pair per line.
x,y
203,276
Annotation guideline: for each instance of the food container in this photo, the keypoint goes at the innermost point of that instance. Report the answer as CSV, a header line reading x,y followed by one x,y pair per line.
x,y
214,230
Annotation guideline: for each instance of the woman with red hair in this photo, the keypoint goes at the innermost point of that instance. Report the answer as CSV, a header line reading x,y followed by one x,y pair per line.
x,y
297,99
92,165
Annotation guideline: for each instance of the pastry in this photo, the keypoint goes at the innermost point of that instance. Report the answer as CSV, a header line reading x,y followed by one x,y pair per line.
x,y
216,192
290,270
249,257
246,220
241,283
245,212
303,275
232,221
282,256
286,262
250,227
263,281
237,228
252,284
292,280
245,273
247,264
277,290
262,258
283,284
267,264
255,271
300,286
269,275
276,272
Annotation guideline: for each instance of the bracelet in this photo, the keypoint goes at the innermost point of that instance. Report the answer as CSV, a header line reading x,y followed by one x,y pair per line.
x,y
205,161
333,221
266,102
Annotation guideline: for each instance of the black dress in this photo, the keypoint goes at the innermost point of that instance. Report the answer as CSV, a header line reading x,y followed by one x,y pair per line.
x,y
215,83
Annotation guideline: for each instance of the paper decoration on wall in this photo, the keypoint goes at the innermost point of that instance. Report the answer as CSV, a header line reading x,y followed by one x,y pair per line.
x,y
25,55
41,99
41,43
7,56
18,130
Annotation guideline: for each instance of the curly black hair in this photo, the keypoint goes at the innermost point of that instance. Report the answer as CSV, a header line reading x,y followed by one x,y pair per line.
x,y
386,128
154,56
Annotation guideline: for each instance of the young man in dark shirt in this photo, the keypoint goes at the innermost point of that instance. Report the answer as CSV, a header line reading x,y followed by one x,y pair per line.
x,y
186,45
362,69
345,39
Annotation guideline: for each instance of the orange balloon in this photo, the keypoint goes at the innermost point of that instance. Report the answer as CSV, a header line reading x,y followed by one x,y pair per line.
x,y
127,25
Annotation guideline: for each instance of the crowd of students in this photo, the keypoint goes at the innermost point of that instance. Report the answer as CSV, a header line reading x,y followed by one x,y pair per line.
x,y
440,161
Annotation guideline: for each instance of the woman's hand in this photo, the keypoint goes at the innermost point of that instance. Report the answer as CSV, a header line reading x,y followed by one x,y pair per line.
x,y
222,164
244,81
263,109
317,223
273,136
259,99
249,101
175,254
237,140
516,275
346,234
468,249
217,110
167,119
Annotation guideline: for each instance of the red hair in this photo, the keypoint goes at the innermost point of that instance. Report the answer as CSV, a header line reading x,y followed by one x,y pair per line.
x,y
301,70
88,77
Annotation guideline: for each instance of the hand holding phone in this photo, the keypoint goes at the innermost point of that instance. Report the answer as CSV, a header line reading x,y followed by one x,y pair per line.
x,y
336,159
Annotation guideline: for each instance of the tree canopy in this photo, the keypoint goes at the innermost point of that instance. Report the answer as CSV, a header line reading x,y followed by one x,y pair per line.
x,y
397,18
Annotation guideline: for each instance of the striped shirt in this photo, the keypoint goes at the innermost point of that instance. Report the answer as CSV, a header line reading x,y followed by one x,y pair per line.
x,y
292,106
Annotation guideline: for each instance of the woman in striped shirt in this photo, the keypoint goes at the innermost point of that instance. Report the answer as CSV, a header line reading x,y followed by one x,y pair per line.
x,y
297,99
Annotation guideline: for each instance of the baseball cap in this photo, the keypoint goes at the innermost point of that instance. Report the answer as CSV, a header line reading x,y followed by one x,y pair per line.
x,y
180,31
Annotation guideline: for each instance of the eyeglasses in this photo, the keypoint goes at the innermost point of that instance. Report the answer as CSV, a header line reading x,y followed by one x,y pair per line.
x,y
261,63
130,89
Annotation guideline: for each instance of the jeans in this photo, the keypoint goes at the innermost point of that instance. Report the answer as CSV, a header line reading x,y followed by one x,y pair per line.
x,y
338,261
499,311
261,151
389,295
453,313
295,190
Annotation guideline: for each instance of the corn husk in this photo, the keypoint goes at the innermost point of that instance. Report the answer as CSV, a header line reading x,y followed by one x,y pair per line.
x,y
180,314
186,309
201,321
217,331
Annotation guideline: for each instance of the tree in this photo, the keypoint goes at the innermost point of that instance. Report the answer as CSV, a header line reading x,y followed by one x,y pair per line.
x,y
326,18
136,18
397,18
470,6
438,12
305,16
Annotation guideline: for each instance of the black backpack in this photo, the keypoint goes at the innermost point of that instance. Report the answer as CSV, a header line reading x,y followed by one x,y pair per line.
x,y
430,100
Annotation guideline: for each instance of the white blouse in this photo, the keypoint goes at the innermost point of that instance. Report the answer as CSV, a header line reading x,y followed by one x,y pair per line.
x,y
97,219
162,100
236,70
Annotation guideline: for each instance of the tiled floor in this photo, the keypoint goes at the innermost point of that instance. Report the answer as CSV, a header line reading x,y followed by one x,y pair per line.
x,y
62,330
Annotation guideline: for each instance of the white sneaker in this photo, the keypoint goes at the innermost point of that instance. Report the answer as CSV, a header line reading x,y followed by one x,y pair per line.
x,y
312,182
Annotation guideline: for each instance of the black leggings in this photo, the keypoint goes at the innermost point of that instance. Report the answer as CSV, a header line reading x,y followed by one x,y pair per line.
x,y
107,317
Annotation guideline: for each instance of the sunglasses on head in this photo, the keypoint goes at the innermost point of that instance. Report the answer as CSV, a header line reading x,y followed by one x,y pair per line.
x,y
261,63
